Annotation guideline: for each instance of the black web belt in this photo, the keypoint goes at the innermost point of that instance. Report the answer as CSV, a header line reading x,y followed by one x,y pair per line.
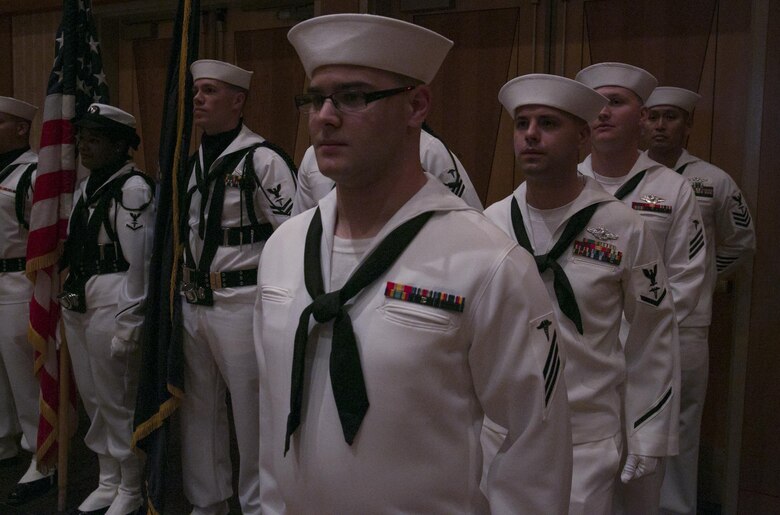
x,y
109,260
12,264
198,285
246,235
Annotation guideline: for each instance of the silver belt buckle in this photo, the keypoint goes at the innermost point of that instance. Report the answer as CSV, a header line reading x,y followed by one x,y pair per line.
x,y
190,292
69,300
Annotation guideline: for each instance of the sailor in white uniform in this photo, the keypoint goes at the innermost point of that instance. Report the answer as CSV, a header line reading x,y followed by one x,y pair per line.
x,y
390,319
587,239
240,189
662,198
730,240
19,390
107,254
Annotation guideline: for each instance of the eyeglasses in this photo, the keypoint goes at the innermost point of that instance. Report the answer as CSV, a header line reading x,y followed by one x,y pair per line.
x,y
345,101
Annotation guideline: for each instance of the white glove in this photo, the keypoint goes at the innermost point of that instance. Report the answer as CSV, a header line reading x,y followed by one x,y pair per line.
x,y
121,348
638,466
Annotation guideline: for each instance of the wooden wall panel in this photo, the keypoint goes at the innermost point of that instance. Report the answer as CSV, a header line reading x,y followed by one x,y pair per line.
x,y
278,76
466,112
33,56
339,6
6,57
760,459
721,117
730,107
151,69
647,34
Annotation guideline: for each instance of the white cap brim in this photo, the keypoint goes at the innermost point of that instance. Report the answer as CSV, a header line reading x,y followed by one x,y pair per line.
x,y
622,75
372,41
220,70
553,91
670,96
18,108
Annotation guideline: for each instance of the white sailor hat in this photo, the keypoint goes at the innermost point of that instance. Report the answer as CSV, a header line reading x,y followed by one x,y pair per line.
x,y
220,70
670,96
554,91
104,116
619,74
368,40
18,108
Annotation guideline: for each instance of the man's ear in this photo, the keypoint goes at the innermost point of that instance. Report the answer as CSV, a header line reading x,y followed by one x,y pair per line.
x,y
22,128
239,100
688,124
643,112
584,135
420,103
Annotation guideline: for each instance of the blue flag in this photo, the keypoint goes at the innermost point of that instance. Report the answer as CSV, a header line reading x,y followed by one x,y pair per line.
x,y
161,384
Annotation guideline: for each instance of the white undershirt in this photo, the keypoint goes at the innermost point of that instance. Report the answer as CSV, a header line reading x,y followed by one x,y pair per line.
x,y
611,184
347,254
544,223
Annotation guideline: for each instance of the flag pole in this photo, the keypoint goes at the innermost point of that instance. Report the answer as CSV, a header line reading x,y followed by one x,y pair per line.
x,y
63,436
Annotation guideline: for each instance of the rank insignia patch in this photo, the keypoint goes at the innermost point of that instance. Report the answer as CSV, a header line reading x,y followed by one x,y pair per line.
x,y
424,296
598,251
279,204
552,364
655,289
697,240
651,203
740,215
697,183
456,185
134,226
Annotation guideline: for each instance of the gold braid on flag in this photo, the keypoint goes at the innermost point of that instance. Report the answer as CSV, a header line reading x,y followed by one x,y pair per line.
x,y
40,262
168,407
177,248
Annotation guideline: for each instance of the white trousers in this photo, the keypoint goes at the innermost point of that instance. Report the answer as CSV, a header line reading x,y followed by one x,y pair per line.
x,y
678,492
107,385
640,496
19,390
596,467
219,354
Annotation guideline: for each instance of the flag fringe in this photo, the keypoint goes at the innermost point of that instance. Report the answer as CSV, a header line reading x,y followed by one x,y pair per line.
x,y
50,415
156,421
40,345
38,263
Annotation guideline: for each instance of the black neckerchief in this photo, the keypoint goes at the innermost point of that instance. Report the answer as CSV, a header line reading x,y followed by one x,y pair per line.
x,y
346,374
564,293
630,185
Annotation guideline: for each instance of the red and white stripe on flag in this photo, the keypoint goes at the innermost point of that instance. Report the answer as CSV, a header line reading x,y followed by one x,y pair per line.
x,y
52,200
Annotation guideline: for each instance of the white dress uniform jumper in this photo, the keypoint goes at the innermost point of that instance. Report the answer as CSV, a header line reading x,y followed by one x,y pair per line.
x,y
613,267
107,253
730,238
458,326
236,197
18,386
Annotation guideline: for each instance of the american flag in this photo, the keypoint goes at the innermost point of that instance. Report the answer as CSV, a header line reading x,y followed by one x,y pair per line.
x,y
75,82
